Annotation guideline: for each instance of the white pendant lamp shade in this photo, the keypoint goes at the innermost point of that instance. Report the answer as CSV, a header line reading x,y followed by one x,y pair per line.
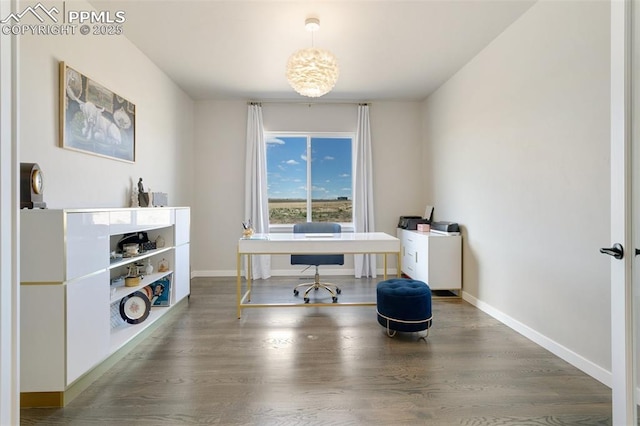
x,y
312,72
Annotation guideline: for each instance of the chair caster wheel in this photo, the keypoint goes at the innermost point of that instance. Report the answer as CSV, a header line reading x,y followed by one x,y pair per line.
x,y
335,300
338,290
295,292
306,300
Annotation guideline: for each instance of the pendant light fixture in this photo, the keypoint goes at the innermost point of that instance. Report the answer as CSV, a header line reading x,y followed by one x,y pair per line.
x,y
312,72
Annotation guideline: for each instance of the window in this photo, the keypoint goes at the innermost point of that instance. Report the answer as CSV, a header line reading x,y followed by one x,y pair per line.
x,y
309,177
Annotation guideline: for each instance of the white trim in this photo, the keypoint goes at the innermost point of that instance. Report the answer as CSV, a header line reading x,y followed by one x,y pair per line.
x,y
552,346
623,372
9,226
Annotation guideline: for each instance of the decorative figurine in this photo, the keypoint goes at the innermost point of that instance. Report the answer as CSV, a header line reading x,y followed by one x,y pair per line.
x,y
247,230
143,197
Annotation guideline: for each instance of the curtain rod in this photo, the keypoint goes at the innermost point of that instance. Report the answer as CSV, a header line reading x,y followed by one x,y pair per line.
x,y
301,102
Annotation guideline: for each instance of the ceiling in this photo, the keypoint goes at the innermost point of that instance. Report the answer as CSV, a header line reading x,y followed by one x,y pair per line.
x,y
386,50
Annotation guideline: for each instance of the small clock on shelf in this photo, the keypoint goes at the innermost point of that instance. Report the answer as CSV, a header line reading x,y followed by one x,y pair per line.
x,y
31,186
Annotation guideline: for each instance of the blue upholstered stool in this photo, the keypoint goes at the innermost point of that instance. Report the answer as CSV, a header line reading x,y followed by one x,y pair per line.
x,y
404,305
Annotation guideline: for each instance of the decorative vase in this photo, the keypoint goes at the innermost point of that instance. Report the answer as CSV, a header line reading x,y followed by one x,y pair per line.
x,y
149,268
163,266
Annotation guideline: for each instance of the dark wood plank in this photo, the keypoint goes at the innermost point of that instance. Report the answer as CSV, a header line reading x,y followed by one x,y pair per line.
x,y
331,366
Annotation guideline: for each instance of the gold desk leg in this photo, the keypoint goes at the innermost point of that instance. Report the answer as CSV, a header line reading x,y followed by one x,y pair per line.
x,y
238,283
249,276
385,266
399,273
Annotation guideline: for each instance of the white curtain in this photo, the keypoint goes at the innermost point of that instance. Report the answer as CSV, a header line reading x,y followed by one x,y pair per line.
x,y
256,203
365,264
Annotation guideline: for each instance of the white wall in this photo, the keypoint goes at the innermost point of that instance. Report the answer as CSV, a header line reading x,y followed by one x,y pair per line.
x,y
220,135
517,144
164,121
219,167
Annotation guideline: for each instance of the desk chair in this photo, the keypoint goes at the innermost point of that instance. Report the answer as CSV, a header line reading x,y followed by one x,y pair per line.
x,y
317,259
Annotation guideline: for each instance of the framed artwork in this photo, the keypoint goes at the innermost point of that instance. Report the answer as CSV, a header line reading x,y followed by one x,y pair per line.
x,y
95,120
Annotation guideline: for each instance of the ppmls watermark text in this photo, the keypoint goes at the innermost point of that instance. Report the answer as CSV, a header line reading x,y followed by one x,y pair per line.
x,y
40,20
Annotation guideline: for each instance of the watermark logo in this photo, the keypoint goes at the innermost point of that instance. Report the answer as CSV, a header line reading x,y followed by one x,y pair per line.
x,y
40,20
33,10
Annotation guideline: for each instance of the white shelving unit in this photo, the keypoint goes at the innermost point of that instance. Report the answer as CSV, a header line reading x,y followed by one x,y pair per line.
x,y
67,300
122,291
435,259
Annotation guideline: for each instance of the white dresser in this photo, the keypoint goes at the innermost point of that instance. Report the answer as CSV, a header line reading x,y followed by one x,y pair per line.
x,y
433,258
69,309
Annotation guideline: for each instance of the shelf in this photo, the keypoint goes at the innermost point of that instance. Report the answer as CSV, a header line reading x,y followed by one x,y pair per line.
x,y
114,263
122,290
124,333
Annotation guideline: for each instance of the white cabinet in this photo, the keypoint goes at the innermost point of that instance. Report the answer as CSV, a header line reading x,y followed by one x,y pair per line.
x,y
87,238
70,319
42,338
182,273
433,258
58,246
87,324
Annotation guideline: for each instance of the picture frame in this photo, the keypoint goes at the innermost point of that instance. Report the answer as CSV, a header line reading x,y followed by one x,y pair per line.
x,y
95,120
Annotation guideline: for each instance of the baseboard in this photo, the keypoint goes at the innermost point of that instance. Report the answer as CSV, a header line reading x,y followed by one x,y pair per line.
x,y
588,367
213,273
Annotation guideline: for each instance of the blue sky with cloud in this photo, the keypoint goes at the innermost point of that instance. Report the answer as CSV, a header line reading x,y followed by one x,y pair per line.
x,y
331,164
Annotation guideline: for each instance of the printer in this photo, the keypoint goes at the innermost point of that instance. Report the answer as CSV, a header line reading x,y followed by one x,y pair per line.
x,y
411,222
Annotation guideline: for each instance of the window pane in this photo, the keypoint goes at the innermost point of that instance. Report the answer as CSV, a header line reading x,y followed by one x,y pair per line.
x,y
331,180
287,179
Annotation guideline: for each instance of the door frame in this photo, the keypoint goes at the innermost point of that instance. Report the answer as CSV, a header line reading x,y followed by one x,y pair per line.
x,y
623,373
9,225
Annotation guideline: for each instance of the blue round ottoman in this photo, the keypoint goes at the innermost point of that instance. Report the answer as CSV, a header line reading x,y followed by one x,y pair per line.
x,y
404,305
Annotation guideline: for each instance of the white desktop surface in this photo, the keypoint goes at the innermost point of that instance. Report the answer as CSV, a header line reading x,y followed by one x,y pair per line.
x,y
299,243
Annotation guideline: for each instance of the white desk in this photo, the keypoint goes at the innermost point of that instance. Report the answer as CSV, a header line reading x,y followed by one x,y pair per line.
x,y
343,243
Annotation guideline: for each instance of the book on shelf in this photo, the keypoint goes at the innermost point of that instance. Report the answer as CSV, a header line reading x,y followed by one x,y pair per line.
x,y
159,291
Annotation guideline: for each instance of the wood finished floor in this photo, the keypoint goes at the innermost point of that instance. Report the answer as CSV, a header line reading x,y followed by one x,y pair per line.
x,y
331,366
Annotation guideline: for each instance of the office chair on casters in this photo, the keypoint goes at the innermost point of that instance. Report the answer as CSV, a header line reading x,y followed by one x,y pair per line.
x,y
317,259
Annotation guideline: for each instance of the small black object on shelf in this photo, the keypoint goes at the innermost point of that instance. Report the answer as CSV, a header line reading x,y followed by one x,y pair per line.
x,y
31,186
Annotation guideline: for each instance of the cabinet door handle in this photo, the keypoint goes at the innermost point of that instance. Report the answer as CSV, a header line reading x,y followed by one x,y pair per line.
x,y
416,257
